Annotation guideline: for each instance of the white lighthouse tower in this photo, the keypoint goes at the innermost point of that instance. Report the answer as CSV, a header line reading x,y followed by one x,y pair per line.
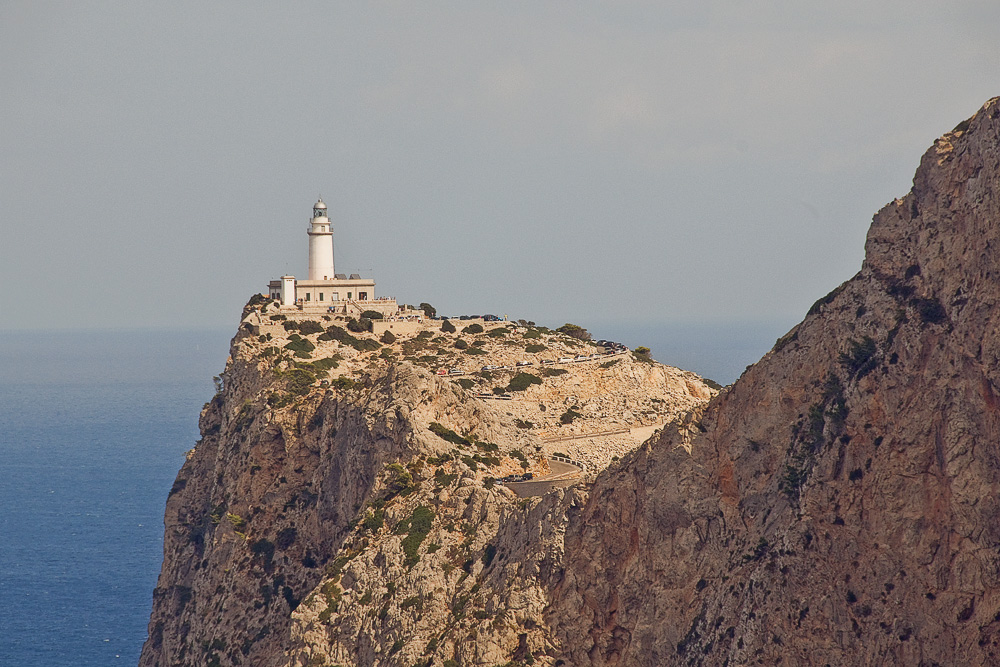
x,y
326,292
320,244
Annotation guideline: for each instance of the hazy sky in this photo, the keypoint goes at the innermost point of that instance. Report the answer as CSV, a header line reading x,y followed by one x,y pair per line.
x,y
702,161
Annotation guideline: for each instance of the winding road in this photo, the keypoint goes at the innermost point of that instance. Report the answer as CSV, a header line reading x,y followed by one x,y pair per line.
x,y
563,474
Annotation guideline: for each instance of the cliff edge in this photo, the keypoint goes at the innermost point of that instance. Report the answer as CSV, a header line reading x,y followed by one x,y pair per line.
x,y
839,503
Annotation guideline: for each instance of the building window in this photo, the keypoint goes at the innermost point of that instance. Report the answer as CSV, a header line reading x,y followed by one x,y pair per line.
x,y
362,296
334,296
320,296
308,295
348,296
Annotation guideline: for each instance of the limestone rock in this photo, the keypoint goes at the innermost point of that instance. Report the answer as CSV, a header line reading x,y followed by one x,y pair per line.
x,y
838,504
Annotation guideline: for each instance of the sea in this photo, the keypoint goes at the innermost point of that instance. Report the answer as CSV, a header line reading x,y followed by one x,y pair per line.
x,y
94,426
93,429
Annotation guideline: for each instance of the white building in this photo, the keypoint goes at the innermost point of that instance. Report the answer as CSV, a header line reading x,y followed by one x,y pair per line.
x,y
325,290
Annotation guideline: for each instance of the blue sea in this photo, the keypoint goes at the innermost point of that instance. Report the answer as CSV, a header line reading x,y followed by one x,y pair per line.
x,y
93,429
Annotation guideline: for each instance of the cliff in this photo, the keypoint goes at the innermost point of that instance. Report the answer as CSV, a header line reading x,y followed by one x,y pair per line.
x,y
342,506
838,504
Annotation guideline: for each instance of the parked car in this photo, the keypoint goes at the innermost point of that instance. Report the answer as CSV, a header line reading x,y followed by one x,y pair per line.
x,y
455,371
523,363
442,371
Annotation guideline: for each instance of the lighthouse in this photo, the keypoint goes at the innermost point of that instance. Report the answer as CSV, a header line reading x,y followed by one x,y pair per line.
x,y
320,244
326,292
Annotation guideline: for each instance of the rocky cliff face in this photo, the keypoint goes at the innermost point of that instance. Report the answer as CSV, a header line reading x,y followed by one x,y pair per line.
x,y
341,506
839,503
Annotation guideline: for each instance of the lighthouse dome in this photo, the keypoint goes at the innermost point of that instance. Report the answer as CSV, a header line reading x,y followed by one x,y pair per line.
x,y
319,209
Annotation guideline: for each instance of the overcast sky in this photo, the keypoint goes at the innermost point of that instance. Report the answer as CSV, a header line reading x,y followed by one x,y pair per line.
x,y
707,161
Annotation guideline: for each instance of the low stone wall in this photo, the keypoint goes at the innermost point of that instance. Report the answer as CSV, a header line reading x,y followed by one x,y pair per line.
x,y
397,327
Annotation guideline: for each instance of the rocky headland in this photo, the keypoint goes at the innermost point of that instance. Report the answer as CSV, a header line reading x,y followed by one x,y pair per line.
x,y
342,506
836,505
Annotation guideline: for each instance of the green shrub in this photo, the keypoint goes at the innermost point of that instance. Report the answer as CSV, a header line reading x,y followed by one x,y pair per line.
x,y
522,381
258,299
290,325
860,358
553,372
300,345
277,400
466,383
429,310
388,338
327,363
475,351
473,329
532,333
568,416
446,433
498,332
521,423
608,364
310,327
789,337
643,358
333,332
438,460
371,315
359,326
298,381
374,521
712,384
443,479
533,348
447,327
399,479
412,601
461,344
574,331
343,383
418,526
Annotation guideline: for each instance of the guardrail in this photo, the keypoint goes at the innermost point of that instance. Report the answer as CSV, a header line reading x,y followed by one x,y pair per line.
x,y
580,436
547,362
565,459
496,397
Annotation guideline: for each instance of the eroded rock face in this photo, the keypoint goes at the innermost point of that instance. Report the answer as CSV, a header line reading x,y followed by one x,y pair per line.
x,y
838,504
341,506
